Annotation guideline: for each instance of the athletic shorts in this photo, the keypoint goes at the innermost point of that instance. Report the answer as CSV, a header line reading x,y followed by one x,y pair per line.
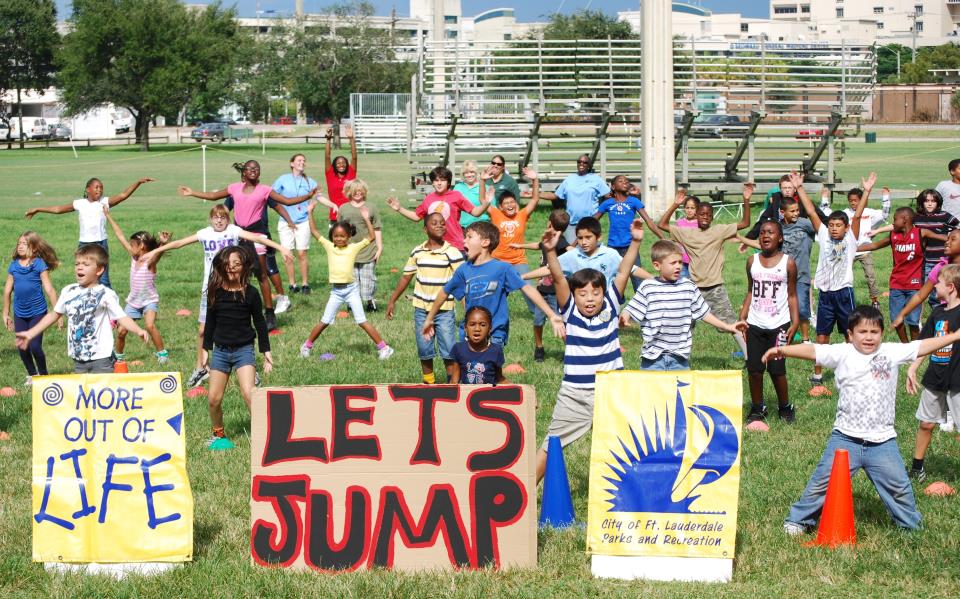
x,y
758,342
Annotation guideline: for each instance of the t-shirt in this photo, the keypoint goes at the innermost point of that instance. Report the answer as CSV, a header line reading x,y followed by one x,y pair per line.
x,y
433,268
943,373
143,285
582,194
28,300
261,226
797,242
621,219
666,311
248,207
907,270
340,261
89,311
869,220
685,223
473,196
835,266
768,293
705,247
450,205
512,230
228,320
604,259
351,214
950,192
478,368
93,222
212,242
940,223
291,186
335,185
593,342
486,285
868,387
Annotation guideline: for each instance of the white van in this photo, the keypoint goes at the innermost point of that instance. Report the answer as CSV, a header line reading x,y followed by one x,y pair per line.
x,y
34,127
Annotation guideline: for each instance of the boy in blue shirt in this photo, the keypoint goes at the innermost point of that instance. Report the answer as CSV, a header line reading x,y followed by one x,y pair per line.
x,y
485,281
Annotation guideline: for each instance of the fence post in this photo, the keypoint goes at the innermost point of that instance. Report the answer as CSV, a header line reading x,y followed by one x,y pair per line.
x,y
763,74
203,162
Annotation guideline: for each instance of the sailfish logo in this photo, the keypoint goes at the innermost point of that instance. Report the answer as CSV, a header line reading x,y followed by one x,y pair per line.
x,y
646,477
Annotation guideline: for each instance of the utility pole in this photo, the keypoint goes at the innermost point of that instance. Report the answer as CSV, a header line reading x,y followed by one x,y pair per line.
x,y
913,35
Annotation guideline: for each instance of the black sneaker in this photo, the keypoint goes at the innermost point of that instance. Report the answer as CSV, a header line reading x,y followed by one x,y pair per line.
x,y
305,290
271,319
294,289
918,475
371,306
757,414
787,414
539,354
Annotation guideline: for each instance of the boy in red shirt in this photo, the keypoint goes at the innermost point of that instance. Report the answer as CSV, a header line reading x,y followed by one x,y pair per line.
x,y
907,275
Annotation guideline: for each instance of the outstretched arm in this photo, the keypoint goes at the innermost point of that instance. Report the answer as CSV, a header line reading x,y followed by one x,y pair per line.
x,y
173,245
280,199
649,221
126,193
804,351
61,209
868,184
932,344
203,195
117,231
395,204
255,238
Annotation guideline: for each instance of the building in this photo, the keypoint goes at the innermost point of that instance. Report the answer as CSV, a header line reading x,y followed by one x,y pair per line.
x,y
691,21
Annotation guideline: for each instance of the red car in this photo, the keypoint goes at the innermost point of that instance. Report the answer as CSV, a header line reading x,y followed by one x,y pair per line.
x,y
815,133
283,120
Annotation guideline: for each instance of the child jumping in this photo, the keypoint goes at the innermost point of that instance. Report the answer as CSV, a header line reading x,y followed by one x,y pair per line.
x,y
28,278
866,371
93,225
144,299
432,264
341,256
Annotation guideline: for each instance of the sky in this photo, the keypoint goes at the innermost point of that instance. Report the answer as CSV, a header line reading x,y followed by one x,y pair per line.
x,y
525,11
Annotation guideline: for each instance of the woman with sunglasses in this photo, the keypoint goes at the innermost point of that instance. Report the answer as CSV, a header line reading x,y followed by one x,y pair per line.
x,y
500,181
581,192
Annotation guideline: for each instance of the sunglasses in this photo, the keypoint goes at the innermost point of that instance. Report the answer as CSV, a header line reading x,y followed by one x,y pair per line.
x,y
583,162
496,163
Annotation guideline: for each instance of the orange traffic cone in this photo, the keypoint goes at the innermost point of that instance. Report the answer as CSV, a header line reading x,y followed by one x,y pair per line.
x,y
836,520
120,367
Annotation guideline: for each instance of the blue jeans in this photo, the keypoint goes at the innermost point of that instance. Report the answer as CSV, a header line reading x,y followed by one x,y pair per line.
x,y
444,334
523,269
105,277
539,317
883,466
898,301
228,359
666,361
803,300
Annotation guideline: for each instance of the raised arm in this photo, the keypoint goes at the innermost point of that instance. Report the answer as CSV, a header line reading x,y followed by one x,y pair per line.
x,y
118,231
868,184
649,221
560,284
203,195
353,148
126,193
797,180
531,174
629,258
327,154
747,194
664,223
61,209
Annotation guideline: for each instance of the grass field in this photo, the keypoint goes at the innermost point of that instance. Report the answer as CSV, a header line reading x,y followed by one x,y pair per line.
x,y
775,466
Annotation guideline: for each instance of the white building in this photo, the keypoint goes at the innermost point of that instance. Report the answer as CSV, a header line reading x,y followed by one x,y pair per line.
x,y
692,21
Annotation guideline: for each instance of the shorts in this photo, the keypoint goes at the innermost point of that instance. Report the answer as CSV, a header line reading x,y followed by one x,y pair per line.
x,y
572,415
833,310
296,238
444,334
365,274
803,300
522,269
227,359
665,361
759,340
98,366
719,303
539,317
344,293
138,313
934,405
898,301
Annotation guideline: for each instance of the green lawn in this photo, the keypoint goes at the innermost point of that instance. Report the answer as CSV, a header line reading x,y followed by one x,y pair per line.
x,y
774,466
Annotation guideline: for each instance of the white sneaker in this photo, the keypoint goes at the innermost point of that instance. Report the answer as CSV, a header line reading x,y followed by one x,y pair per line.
x,y
385,352
283,304
305,350
28,382
197,377
793,529
947,427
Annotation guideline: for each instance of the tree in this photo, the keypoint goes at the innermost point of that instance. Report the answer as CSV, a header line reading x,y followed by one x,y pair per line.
x,y
323,66
28,40
946,56
151,56
587,25
887,62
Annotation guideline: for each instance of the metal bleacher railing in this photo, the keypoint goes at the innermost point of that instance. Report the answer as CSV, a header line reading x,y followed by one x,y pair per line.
x,y
745,111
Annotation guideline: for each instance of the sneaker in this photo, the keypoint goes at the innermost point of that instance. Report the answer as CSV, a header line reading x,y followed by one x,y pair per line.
x,y
918,475
305,350
371,306
876,304
305,290
119,357
256,379
293,289
539,354
219,443
793,529
948,426
807,342
385,352
757,414
283,304
197,377
737,354
162,356
787,413
28,382
271,321
819,391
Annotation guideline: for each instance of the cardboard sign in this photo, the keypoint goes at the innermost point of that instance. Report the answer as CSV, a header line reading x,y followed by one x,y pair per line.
x,y
109,469
665,464
393,476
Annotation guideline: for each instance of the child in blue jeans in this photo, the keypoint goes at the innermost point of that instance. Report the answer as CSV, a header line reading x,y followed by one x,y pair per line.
x,y
866,374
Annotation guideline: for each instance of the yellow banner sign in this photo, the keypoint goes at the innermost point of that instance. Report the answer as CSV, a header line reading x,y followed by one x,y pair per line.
x,y
665,464
109,469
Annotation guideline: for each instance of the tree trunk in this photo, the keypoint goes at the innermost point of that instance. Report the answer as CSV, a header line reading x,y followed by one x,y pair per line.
x,y
142,128
20,116
336,133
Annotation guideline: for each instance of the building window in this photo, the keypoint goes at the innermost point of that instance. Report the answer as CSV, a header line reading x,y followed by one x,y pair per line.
x,y
785,10
879,25
507,36
918,8
918,26
451,34
805,8
450,19
840,12
878,10
744,28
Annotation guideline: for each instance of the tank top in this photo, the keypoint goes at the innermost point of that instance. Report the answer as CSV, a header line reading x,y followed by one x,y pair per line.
x,y
768,295
143,286
907,271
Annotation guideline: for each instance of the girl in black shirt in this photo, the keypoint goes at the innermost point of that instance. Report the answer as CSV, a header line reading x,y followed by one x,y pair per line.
x,y
233,303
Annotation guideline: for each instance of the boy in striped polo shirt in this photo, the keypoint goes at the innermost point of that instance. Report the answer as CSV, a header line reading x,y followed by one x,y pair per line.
x,y
433,263
666,307
590,309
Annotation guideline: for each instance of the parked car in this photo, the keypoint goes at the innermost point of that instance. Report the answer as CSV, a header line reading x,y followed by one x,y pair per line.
x,y
121,122
34,127
213,131
227,121
815,133
719,125
283,120
60,131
